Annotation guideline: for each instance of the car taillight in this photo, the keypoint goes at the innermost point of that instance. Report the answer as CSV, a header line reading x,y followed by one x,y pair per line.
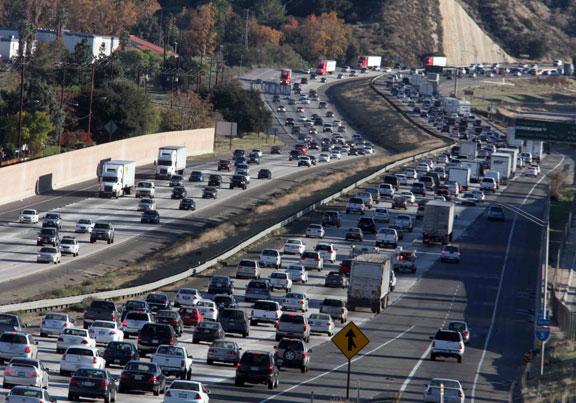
x,y
104,383
152,379
73,381
66,324
9,371
317,259
84,341
112,332
304,354
94,360
27,350
124,323
113,315
465,333
171,340
270,368
232,352
238,365
198,397
433,344
60,339
460,345
124,375
305,327
167,394
32,374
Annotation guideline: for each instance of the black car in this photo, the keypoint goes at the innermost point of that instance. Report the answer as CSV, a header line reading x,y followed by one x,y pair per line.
x,y
158,301
234,320
48,236
223,301
210,193
292,353
196,176
52,220
238,153
142,376
257,367
215,180
264,174
336,279
150,217
172,318
254,158
354,234
179,192
221,285
187,204
240,161
238,181
120,353
92,383
153,335
275,150
331,218
176,180
367,224
208,331
294,155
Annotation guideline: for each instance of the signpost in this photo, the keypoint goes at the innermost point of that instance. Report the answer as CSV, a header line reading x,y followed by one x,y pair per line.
x,y
350,341
563,131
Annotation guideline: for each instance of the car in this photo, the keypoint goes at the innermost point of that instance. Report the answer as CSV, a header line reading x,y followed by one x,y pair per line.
x,y
17,345
354,234
146,204
460,326
191,316
153,335
292,353
225,351
248,269
335,279
280,280
93,383
137,305
488,184
404,222
387,238
208,309
324,157
265,311
355,205
297,273
102,230
280,108
366,198
444,390
399,202
73,337
210,193
367,225
225,165
134,321
270,258
418,188
49,254
181,391
84,225
105,332
450,253
69,245
239,181
26,372
327,251
469,199
381,215
258,289
536,167
224,301
264,174
234,320
53,323
221,285
532,171
447,343
48,236
406,261
254,158
208,331
29,394
411,173
172,318
293,325
178,192
495,213
29,216
294,247
176,180
304,161
257,367
336,308
295,301
52,220
215,180
409,196
150,217
77,357
315,231
158,301
312,260
187,203
196,176
142,376
321,323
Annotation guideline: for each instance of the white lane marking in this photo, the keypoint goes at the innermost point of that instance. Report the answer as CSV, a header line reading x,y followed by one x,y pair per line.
x,y
398,336
413,372
497,299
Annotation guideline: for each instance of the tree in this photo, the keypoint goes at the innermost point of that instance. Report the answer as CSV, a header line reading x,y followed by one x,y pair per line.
x,y
198,34
105,17
270,12
325,35
261,35
36,129
189,112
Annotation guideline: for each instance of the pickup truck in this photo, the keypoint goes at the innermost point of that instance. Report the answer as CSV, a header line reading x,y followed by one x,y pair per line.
x,y
173,360
265,311
280,280
104,231
100,310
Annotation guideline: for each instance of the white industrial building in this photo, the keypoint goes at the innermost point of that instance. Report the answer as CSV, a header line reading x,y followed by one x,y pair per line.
x,y
100,44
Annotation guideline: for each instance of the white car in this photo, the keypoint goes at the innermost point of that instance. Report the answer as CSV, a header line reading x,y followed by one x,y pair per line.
x,y
270,258
257,151
84,225
381,215
312,261
294,247
336,155
315,231
134,321
327,251
208,309
104,331
280,280
478,194
48,254
53,323
531,171
187,297
297,273
386,190
81,357
321,323
324,157
74,337
29,394
303,118
29,216
535,166
411,173
402,179
69,245
295,301
186,391
409,196
23,371
453,391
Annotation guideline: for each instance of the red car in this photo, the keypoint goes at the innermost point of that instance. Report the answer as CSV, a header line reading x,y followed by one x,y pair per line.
x,y
302,149
345,267
399,202
225,165
191,316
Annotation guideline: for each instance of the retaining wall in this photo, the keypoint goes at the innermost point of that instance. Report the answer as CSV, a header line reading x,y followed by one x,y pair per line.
x,y
46,174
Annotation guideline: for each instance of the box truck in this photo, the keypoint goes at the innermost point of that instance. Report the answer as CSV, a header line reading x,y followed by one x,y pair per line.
x,y
370,276
286,77
171,161
438,222
369,62
514,153
495,175
475,167
511,139
326,67
117,178
536,148
460,175
502,163
468,149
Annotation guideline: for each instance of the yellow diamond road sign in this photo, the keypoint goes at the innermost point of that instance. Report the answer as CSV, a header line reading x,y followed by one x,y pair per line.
x,y
350,340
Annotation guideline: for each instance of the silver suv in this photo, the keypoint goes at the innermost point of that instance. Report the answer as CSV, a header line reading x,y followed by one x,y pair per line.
x,y
447,343
293,325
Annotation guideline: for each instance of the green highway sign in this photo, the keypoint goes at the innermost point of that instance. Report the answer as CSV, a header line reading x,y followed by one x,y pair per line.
x,y
545,130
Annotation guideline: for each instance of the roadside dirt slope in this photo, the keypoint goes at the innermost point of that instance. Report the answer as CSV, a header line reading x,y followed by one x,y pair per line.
x,y
463,41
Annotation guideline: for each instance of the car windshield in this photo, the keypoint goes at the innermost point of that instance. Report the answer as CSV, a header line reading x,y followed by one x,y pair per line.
x,y
76,332
319,316
140,367
48,250
68,241
13,338
52,216
101,226
257,284
255,359
457,326
451,249
292,318
116,346
232,314
137,316
270,252
315,226
447,336
29,212
80,351
208,325
170,350
105,325
188,291
135,305
27,392
55,316
295,345
278,275
448,383
248,263
156,298
333,302
266,306
90,373
224,344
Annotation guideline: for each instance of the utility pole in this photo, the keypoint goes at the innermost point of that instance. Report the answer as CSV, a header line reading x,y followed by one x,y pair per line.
x,y
21,105
91,98
61,107
246,29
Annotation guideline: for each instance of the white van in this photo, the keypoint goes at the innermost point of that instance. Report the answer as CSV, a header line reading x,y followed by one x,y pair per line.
x,y
248,269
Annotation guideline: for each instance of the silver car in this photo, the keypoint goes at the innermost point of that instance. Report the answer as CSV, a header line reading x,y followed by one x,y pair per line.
x,y
22,371
17,345
84,225
49,254
321,323
223,351
146,205
54,322
134,322
29,394
295,301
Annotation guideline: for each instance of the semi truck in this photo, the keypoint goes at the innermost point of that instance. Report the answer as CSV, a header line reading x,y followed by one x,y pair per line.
x,y
117,178
460,175
370,277
514,154
502,163
171,161
369,62
326,67
438,222
468,149
286,77
475,167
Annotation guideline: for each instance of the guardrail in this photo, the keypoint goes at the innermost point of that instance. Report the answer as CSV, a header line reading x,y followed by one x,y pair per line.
x,y
59,303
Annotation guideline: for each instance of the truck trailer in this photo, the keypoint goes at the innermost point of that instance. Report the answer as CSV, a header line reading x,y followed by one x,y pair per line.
x,y
117,178
171,161
369,62
468,149
370,277
438,222
475,167
514,154
326,67
461,175
502,163
286,77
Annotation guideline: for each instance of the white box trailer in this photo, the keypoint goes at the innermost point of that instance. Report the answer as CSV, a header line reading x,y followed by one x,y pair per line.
x,y
468,149
511,139
117,178
370,276
535,147
502,163
475,167
171,161
493,174
369,62
438,222
460,175
515,154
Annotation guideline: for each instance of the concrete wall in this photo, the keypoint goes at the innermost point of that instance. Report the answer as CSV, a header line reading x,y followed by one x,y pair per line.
x,y
39,176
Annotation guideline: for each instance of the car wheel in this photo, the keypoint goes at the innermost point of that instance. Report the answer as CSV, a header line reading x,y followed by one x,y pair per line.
x,y
72,397
156,392
107,399
271,384
43,334
238,382
209,362
460,360
432,357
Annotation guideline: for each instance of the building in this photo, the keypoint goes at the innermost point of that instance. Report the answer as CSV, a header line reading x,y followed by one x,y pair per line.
x,y
136,42
100,44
